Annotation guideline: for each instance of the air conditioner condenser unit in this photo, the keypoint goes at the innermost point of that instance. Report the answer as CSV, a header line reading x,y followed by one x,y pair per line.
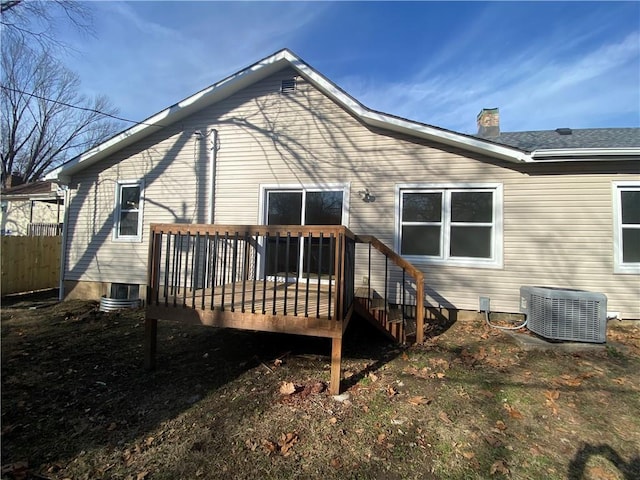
x,y
565,314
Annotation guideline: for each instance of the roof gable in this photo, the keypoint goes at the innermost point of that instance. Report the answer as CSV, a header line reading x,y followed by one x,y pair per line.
x,y
509,150
258,71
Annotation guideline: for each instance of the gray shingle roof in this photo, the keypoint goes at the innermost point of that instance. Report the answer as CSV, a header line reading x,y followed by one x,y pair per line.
x,y
579,138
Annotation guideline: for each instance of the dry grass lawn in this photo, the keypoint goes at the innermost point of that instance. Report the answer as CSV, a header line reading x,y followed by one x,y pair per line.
x,y
470,403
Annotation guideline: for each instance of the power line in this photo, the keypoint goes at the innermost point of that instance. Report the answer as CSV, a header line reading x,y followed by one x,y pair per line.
x,y
93,110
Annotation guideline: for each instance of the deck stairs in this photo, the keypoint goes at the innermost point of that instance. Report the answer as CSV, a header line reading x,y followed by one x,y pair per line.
x,y
396,323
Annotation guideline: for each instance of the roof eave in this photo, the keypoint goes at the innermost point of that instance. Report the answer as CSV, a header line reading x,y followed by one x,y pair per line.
x,y
585,154
197,101
256,72
409,127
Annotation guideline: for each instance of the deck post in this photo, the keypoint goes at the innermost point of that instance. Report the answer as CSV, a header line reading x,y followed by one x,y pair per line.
x,y
420,310
336,359
150,342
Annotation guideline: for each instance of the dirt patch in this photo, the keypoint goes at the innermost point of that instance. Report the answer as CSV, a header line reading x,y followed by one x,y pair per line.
x,y
470,403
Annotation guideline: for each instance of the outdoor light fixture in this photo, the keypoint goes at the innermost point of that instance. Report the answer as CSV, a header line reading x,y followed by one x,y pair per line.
x,y
366,196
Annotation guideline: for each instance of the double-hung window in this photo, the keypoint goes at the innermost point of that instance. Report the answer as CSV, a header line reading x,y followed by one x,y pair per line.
x,y
451,224
128,211
626,201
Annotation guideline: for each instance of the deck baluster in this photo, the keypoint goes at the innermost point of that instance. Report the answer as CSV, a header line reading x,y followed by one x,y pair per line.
x,y
255,273
275,279
225,255
286,271
194,267
320,241
308,275
264,282
234,272
331,242
167,271
245,268
295,303
214,269
186,270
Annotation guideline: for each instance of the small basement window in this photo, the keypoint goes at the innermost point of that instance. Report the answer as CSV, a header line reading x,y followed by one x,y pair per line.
x,y
288,85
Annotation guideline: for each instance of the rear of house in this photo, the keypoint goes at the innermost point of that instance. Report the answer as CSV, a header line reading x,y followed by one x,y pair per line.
x,y
279,144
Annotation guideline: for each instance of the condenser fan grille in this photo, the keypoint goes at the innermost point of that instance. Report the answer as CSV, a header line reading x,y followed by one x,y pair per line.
x,y
563,314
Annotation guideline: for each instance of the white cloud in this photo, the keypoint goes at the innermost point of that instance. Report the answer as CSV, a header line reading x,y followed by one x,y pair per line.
x,y
535,89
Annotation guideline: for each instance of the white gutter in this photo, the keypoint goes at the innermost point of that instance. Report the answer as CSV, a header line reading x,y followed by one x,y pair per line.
x,y
63,246
585,153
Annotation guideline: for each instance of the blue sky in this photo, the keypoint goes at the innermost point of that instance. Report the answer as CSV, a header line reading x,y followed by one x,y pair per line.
x,y
544,64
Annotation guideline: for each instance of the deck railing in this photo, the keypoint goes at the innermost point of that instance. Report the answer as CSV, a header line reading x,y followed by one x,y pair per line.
x,y
400,290
270,270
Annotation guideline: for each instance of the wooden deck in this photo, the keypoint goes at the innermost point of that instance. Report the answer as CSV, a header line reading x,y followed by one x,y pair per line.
x,y
232,263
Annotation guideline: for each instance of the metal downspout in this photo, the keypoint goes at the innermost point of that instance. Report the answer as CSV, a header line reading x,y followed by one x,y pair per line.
x,y
212,175
63,246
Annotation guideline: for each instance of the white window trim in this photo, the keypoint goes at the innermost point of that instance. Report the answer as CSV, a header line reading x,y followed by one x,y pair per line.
x,y
262,203
618,265
496,260
116,212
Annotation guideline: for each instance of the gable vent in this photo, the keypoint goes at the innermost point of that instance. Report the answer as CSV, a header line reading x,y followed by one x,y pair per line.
x,y
288,85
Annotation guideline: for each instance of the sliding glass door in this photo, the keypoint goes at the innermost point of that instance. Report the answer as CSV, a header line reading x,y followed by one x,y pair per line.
x,y
291,257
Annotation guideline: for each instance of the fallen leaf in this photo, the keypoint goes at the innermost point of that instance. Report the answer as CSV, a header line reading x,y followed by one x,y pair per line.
x,y
372,376
269,446
499,466
333,420
381,437
405,357
286,442
142,475
552,395
513,413
571,382
444,417
619,381
391,391
535,450
500,425
419,400
287,388
112,426
492,440
440,375
468,455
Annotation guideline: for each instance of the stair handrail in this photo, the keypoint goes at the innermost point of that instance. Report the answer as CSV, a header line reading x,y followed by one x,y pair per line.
x,y
411,269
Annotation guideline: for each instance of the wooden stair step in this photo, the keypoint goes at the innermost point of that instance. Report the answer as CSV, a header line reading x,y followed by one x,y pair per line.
x,y
378,304
394,315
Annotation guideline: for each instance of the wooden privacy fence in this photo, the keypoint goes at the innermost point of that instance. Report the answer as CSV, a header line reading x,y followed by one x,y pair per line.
x,y
29,263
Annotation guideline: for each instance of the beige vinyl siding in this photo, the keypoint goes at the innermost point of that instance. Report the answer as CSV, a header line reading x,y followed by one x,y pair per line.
x,y
558,228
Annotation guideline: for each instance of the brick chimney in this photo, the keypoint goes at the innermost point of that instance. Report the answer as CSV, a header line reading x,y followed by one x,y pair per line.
x,y
489,123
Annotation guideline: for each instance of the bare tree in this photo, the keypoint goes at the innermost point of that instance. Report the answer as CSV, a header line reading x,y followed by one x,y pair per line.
x,y
35,21
44,118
